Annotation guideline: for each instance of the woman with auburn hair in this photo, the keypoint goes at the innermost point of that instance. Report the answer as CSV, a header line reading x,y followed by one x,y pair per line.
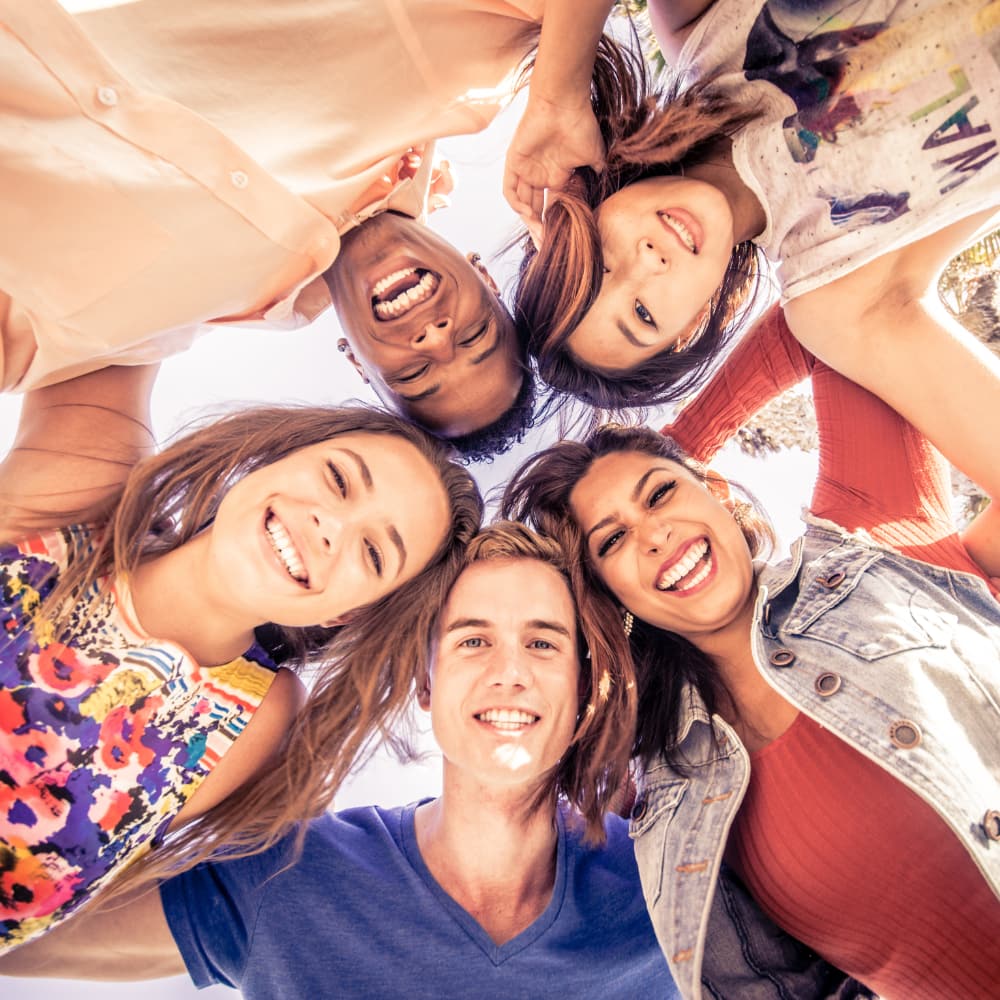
x,y
133,697
827,726
853,144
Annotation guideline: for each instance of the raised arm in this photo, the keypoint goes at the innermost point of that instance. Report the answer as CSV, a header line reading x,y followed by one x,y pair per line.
x,y
893,336
76,442
558,131
764,363
126,940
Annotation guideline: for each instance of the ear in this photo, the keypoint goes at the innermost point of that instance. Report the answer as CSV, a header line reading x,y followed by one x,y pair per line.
x,y
345,348
424,692
477,263
718,486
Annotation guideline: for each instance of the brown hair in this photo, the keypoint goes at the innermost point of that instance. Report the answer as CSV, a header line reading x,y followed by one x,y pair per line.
x,y
663,663
646,135
363,671
595,765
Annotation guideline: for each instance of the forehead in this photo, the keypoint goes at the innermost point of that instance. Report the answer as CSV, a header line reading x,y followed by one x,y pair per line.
x,y
503,591
613,478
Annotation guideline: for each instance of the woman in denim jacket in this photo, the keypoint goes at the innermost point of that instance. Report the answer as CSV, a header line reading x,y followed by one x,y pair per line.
x,y
861,677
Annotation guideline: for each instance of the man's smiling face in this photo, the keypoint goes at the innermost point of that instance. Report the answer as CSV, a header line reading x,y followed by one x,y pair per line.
x,y
424,326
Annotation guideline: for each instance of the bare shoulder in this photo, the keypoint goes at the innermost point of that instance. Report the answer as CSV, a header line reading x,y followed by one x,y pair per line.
x,y
255,747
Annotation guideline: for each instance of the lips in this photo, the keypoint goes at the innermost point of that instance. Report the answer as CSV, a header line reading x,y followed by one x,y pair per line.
x,y
691,568
285,549
683,227
396,293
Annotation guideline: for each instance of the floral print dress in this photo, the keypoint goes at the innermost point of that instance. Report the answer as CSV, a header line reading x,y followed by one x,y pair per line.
x,y
103,738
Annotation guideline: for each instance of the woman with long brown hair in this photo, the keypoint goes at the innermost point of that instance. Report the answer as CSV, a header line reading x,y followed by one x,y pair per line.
x,y
133,699
827,726
853,144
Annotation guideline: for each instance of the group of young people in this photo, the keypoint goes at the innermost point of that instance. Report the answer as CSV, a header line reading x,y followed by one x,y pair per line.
x,y
814,743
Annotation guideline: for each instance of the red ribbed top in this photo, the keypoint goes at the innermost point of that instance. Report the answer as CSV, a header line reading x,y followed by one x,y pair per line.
x,y
860,868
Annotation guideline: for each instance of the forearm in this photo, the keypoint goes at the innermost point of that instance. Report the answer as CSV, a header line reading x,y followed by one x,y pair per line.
x,y
917,359
763,364
564,63
128,939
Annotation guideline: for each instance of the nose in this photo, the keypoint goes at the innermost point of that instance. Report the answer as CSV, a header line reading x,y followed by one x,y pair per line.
x,y
653,534
651,255
434,339
329,530
509,667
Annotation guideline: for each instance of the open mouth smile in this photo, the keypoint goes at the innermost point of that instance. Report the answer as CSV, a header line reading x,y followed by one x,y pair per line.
x,y
395,294
511,720
686,573
284,548
683,228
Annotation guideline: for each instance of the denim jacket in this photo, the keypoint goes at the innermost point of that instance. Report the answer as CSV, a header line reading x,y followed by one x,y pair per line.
x,y
899,658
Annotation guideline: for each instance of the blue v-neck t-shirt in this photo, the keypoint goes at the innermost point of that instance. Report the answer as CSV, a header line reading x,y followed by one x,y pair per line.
x,y
360,915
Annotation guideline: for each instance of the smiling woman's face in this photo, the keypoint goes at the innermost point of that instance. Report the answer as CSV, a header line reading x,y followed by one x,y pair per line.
x,y
668,549
427,330
327,529
666,243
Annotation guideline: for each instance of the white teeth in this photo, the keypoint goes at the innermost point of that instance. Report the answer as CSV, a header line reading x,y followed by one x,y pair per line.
x,y
680,570
406,299
390,279
681,230
285,549
507,718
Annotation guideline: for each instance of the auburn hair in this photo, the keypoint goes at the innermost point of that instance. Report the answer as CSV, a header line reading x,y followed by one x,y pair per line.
x,y
361,674
661,663
646,135
594,768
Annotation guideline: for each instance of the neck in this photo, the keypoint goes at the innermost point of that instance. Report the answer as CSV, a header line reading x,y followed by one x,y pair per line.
x,y
491,856
749,218
169,607
758,713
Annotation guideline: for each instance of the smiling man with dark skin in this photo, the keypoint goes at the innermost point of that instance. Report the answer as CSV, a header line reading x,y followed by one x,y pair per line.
x,y
427,329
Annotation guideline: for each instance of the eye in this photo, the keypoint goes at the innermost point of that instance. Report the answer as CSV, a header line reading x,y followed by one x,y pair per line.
x,y
643,313
541,644
340,484
476,337
661,492
473,642
375,557
411,376
609,543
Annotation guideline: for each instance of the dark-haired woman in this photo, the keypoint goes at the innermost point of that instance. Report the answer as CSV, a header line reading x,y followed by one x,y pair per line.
x,y
133,699
828,726
854,144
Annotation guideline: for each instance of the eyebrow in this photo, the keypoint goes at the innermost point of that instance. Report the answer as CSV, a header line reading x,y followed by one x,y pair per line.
x,y
536,623
397,540
366,475
639,486
629,335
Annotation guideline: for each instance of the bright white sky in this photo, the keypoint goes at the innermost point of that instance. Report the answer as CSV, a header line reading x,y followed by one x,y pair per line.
x,y
305,366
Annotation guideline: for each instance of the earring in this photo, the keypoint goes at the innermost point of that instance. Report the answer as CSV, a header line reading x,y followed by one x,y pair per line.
x,y
342,346
627,622
741,512
474,259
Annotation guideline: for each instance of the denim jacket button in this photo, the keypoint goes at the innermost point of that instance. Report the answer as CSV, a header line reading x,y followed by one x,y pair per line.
x,y
782,658
905,734
835,579
638,809
991,824
827,683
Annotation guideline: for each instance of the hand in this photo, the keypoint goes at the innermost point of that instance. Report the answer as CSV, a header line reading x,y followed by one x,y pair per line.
x,y
550,142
